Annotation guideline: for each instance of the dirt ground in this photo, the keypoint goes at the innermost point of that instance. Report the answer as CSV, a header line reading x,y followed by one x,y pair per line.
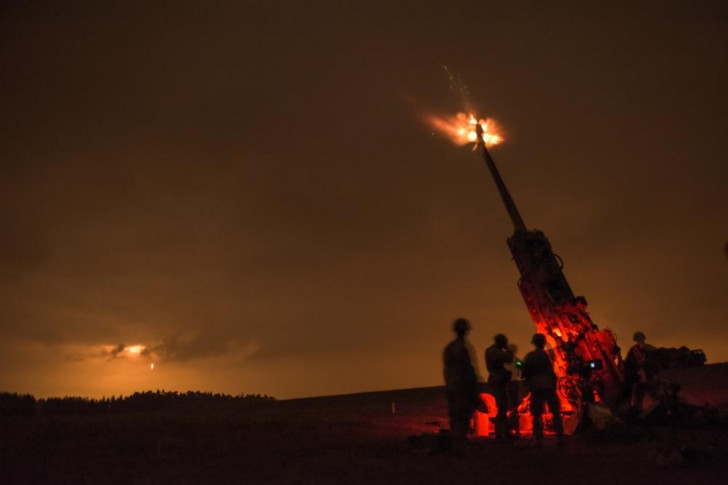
x,y
383,437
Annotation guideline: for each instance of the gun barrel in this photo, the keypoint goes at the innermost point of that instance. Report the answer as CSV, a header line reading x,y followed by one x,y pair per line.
x,y
515,216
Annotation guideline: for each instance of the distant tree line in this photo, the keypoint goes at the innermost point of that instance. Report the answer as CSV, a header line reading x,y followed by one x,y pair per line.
x,y
14,404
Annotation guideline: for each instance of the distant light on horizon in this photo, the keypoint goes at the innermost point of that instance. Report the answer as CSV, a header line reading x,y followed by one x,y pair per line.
x,y
135,349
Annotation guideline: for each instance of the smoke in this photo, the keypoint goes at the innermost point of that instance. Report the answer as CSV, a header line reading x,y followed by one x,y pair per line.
x,y
79,352
199,346
173,348
123,350
116,351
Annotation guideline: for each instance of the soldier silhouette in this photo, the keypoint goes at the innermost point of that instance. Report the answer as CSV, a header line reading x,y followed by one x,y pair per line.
x,y
461,385
638,372
541,381
496,358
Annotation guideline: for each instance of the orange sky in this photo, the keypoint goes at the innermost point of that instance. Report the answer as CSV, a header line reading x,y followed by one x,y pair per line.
x,y
247,189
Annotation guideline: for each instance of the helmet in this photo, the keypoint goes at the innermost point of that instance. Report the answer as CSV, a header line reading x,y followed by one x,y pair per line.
x,y
500,340
461,326
538,339
639,337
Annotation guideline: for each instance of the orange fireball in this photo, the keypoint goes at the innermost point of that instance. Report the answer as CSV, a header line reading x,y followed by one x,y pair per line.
x,y
461,128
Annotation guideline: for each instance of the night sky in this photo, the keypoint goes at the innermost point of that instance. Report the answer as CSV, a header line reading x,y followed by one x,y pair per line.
x,y
245,193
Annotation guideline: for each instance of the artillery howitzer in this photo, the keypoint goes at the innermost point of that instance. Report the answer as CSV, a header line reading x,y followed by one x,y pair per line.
x,y
586,359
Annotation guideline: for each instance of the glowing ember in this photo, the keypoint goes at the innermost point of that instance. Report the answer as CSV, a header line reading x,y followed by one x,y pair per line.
x,y
461,128
151,366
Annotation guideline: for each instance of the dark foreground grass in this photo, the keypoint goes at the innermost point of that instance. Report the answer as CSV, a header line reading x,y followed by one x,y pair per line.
x,y
346,439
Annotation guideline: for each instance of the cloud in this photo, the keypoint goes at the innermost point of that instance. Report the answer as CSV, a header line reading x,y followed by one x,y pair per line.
x,y
116,351
176,348
173,348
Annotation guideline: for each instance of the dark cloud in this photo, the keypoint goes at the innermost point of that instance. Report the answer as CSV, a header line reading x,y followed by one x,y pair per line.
x,y
116,351
203,345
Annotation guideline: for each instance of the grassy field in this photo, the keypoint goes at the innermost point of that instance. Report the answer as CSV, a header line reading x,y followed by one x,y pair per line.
x,y
360,438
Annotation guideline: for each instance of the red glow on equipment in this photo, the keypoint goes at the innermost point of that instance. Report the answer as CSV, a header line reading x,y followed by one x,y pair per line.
x,y
586,360
483,421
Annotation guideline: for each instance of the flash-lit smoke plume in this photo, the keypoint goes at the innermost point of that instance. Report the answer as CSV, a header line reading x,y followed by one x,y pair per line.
x,y
173,348
123,350
204,345
116,351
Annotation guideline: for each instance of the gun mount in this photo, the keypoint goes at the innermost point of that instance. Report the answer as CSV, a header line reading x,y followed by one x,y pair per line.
x,y
586,360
